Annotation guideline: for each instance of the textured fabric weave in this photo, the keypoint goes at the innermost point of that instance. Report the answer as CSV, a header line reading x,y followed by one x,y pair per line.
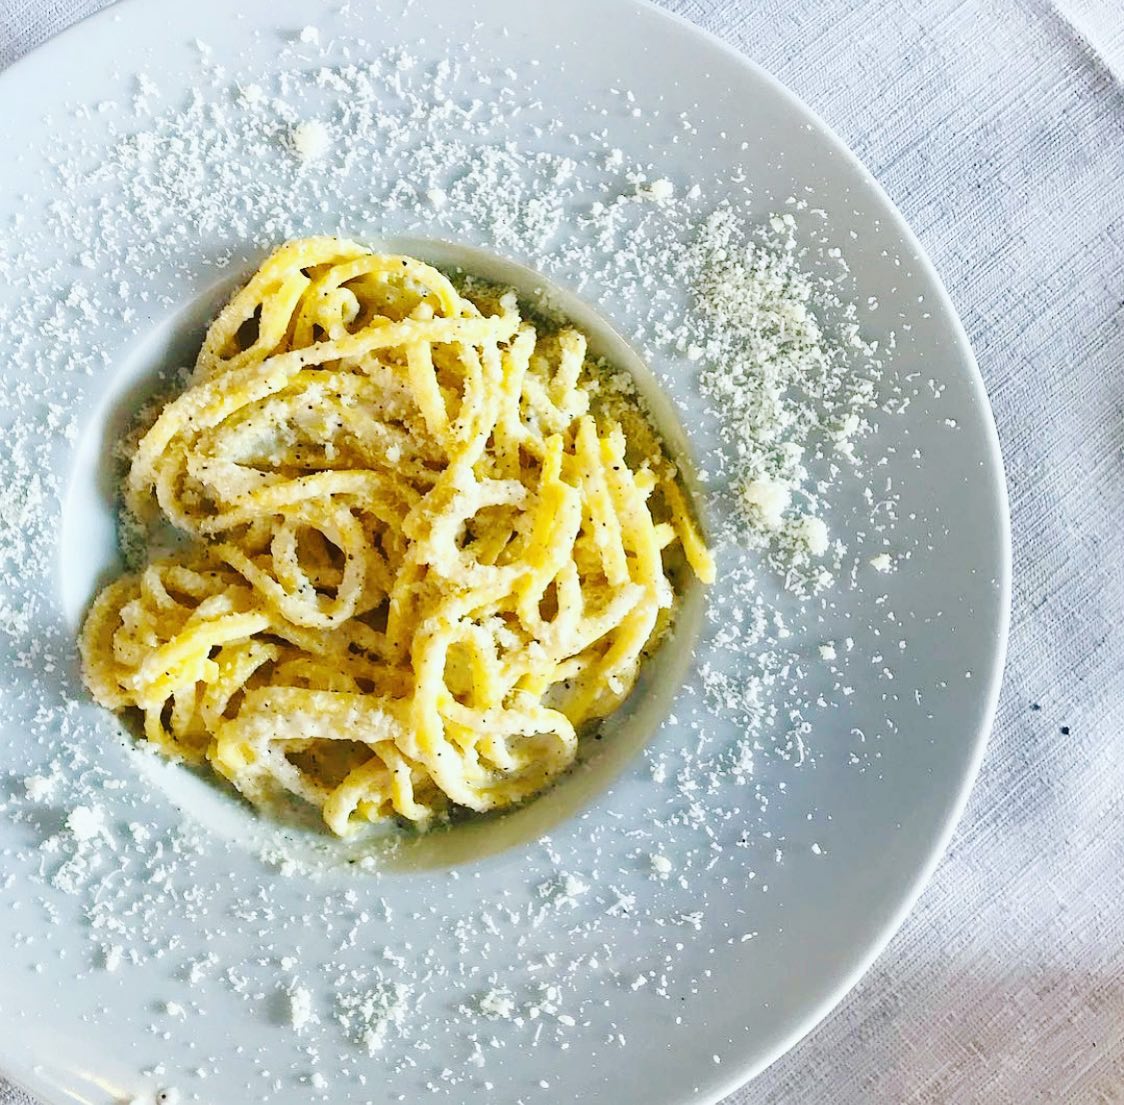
x,y
998,128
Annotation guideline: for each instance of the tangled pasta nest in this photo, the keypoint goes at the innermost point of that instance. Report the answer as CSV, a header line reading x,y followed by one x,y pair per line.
x,y
426,546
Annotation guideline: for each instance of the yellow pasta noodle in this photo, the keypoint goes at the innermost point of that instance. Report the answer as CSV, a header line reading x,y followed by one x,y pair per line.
x,y
423,548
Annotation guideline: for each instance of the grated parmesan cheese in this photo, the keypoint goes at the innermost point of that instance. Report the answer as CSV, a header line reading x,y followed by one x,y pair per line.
x,y
766,501
39,788
300,1008
311,140
85,822
659,190
787,387
813,533
497,1004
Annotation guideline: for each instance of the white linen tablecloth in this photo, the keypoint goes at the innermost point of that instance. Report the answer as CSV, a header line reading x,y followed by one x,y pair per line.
x,y
998,128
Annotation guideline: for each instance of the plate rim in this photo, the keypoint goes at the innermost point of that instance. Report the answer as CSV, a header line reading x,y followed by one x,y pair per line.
x,y
23,1076
730,1083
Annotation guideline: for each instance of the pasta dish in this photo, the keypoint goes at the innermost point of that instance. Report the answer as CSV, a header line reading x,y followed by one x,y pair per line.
x,y
425,543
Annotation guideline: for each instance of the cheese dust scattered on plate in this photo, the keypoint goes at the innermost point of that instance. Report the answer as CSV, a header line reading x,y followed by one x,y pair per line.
x,y
747,303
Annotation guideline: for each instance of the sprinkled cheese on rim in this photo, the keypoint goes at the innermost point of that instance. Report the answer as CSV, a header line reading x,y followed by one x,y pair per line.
x,y
788,387
311,140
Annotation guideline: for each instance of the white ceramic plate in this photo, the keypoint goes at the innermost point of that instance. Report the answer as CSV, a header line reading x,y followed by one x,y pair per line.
x,y
148,944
